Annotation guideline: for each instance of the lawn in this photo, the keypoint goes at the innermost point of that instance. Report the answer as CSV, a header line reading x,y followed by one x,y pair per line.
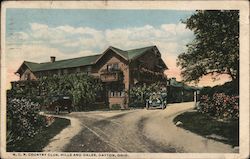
x,y
38,142
204,125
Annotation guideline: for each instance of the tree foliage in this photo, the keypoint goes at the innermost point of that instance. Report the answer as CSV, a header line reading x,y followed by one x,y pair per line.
x,y
28,89
81,88
215,48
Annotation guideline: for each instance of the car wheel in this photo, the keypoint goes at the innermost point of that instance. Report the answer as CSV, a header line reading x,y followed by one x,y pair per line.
x,y
57,109
162,106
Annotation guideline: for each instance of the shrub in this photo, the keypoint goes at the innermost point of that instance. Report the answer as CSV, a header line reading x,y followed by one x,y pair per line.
x,y
82,88
220,106
139,94
23,119
115,106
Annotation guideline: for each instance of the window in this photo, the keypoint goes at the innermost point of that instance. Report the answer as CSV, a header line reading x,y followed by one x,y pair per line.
x,y
111,94
122,93
88,69
27,76
109,68
113,67
116,94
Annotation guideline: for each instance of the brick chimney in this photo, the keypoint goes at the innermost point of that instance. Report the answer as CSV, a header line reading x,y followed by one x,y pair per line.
x,y
52,59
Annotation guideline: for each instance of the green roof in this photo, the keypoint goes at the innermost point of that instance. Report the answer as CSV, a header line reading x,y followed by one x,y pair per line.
x,y
69,63
132,54
122,53
137,52
86,60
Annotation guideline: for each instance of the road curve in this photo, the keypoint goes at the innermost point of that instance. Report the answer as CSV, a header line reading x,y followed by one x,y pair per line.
x,y
138,130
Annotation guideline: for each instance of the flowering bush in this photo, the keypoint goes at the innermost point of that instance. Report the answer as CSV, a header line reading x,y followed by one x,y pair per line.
x,y
23,119
220,106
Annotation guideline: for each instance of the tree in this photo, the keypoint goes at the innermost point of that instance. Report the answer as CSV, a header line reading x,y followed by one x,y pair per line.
x,y
215,48
81,87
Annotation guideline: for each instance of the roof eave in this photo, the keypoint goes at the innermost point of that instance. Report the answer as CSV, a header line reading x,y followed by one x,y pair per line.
x,y
18,70
119,53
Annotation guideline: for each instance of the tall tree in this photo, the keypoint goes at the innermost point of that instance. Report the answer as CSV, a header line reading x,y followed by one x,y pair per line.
x,y
215,48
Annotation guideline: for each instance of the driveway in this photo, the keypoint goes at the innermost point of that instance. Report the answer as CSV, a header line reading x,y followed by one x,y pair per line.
x,y
137,130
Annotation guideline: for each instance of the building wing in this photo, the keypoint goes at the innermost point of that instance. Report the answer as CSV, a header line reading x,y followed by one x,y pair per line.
x,y
69,63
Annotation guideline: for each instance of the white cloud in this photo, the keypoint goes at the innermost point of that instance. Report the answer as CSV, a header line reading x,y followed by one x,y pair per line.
x,y
171,28
85,38
175,29
66,36
37,26
66,28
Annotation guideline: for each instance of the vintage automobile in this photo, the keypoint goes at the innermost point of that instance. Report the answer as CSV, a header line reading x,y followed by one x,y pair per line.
x,y
60,103
157,100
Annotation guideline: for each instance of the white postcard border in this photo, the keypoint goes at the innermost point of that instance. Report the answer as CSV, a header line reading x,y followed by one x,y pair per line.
x,y
243,6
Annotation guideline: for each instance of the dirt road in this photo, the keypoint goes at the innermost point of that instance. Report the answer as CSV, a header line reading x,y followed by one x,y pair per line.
x,y
138,130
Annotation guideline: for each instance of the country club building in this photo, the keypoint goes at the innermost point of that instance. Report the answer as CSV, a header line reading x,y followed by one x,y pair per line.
x,y
119,70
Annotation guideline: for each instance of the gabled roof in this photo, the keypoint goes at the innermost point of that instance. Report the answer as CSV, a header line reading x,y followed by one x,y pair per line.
x,y
131,54
86,60
122,53
32,65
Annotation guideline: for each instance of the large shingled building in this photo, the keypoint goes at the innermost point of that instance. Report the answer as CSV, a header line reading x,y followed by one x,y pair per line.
x,y
119,70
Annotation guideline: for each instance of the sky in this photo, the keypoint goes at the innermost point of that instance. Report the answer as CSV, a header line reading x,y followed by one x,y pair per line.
x,y
36,34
